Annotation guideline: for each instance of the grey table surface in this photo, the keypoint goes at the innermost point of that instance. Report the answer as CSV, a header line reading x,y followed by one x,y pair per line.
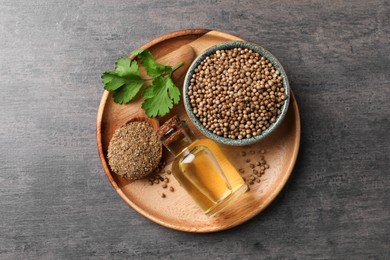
x,y
55,200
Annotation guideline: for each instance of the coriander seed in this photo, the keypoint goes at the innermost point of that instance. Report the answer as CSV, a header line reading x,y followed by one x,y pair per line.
x,y
236,93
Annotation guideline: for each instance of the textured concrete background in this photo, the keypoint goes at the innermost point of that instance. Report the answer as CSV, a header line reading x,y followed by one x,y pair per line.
x,y
55,201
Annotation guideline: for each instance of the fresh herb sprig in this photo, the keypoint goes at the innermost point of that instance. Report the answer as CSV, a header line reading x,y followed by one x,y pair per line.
x,y
125,81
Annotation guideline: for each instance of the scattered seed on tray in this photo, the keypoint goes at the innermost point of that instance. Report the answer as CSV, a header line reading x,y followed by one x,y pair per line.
x,y
258,168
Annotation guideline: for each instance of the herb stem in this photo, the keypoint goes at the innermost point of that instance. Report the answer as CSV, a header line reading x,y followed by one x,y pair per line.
x,y
177,66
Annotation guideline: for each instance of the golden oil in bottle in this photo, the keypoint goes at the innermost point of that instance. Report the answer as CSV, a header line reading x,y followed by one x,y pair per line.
x,y
201,168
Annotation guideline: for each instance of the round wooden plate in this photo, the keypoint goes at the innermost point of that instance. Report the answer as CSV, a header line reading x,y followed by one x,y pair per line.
x,y
177,210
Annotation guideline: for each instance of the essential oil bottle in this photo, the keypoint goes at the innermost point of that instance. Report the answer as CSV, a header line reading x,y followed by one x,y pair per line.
x,y
201,168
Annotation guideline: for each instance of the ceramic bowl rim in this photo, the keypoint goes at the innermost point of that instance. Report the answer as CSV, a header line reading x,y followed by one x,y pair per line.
x,y
225,46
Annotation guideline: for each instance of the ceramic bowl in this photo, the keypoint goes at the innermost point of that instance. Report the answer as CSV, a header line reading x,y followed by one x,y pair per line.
x,y
225,46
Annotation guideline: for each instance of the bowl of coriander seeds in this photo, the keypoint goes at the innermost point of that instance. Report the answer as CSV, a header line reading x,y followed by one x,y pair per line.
x,y
236,93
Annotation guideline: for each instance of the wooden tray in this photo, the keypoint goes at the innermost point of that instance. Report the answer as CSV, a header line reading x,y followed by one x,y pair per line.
x,y
177,210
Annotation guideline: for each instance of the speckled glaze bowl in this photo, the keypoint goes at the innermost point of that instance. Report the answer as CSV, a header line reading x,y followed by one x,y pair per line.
x,y
226,46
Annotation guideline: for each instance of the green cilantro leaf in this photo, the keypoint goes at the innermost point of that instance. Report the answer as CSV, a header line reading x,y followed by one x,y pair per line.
x,y
152,67
112,81
125,81
126,67
126,93
160,97
137,52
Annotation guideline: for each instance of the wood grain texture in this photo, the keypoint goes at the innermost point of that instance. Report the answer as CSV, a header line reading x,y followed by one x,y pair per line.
x,y
55,200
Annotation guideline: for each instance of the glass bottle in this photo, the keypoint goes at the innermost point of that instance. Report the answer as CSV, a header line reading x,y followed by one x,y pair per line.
x,y
201,168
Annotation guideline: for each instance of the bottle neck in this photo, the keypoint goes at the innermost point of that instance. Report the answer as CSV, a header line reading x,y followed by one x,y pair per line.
x,y
179,141
176,136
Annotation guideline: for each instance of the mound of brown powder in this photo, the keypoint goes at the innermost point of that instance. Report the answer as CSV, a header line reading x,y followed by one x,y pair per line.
x,y
134,150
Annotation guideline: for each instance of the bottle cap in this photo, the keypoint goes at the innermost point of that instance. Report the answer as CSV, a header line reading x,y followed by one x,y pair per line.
x,y
169,127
